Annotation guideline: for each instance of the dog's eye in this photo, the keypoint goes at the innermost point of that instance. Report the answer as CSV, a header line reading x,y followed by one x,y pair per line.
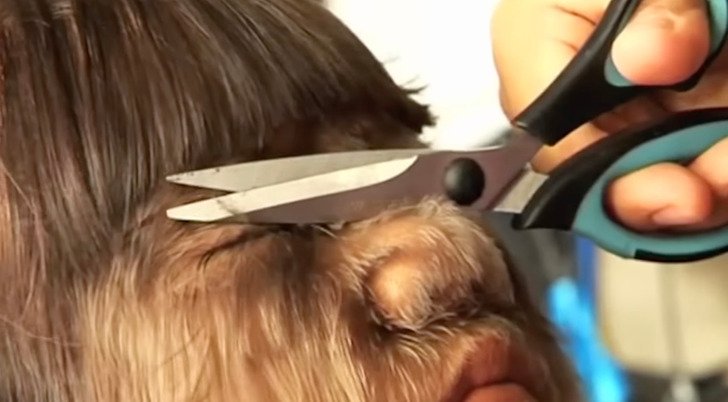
x,y
249,235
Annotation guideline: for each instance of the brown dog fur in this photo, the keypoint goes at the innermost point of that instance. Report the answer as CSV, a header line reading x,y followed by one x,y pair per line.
x,y
104,299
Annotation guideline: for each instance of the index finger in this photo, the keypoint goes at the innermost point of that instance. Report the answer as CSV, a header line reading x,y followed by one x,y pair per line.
x,y
533,41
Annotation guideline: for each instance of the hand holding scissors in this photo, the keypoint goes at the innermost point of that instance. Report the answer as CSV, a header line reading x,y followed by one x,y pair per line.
x,y
664,42
356,185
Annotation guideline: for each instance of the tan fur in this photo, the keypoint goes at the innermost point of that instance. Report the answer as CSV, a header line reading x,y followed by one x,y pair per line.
x,y
317,315
104,299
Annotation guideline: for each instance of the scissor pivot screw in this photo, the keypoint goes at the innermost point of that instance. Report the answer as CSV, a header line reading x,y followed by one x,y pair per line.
x,y
464,181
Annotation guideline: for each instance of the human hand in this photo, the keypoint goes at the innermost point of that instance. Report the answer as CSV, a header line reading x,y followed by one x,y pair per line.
x,y
665,43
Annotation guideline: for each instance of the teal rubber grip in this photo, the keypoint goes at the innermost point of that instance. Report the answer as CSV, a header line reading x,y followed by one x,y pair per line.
x,y
718,21
573,196
592,222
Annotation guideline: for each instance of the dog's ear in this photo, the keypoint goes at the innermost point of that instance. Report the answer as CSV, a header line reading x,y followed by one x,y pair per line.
x,y
103,99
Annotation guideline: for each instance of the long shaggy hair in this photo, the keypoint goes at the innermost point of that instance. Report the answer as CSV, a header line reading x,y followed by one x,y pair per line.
x,y
102,298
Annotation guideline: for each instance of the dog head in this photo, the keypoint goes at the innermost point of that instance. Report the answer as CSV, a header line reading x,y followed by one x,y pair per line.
x,y
105,299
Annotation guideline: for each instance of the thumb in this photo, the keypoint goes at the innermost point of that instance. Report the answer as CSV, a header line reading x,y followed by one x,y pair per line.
x,y
665,42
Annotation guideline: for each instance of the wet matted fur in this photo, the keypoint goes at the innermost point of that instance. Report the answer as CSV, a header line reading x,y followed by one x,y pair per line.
x,y
103,299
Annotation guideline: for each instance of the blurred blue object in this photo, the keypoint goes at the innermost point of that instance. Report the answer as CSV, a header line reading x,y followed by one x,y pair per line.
x,y
571,307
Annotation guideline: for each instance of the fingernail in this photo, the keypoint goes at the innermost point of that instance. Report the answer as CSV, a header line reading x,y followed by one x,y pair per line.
x,y
673,217
653,20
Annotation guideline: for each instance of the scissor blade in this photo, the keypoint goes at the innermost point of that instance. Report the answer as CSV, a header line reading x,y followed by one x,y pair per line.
x,y
240,205
252,175
518,196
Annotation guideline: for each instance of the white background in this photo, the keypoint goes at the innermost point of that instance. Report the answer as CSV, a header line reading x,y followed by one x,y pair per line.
x,y
443,45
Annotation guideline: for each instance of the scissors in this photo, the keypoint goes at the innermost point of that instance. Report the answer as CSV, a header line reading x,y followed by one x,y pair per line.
x,y
350,186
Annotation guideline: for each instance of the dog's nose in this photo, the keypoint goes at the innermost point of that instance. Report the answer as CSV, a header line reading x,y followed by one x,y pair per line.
x,y
431,264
